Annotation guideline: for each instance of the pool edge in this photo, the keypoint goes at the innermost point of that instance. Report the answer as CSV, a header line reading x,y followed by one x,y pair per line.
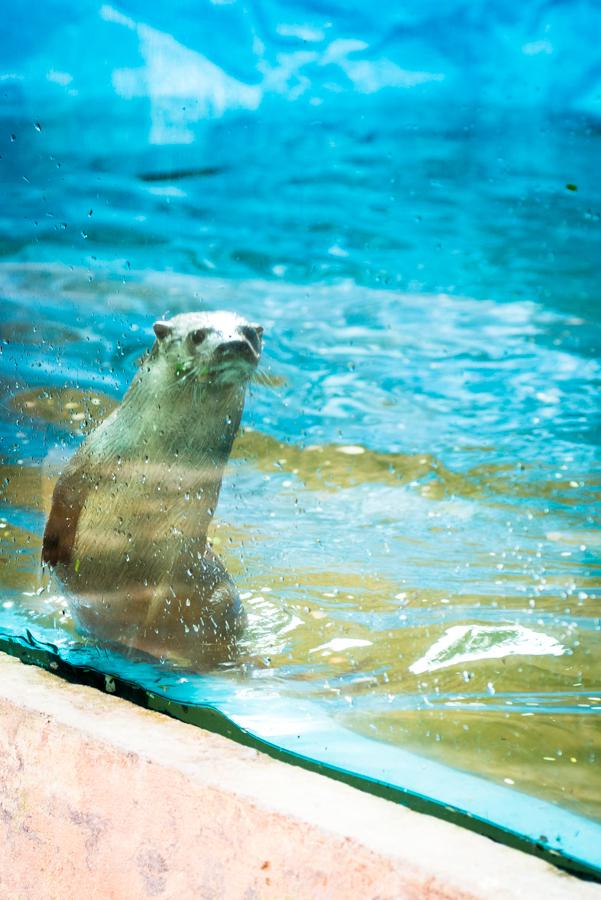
x,y
101,798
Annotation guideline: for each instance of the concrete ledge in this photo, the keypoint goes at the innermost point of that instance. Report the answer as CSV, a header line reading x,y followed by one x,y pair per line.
x,y
102,799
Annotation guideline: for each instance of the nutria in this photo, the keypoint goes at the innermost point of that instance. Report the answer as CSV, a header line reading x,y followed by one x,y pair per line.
x,y
127,531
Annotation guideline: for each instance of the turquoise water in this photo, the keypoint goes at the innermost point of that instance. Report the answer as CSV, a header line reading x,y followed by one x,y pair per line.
x,y
411,514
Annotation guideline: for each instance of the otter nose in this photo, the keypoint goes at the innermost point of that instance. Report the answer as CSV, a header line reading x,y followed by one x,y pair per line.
x,y
236,348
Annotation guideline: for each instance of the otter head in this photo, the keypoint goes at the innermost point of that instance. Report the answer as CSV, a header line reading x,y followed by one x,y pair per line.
x,y
211,347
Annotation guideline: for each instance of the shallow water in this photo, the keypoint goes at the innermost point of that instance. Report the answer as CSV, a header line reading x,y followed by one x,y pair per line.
x,y
411,514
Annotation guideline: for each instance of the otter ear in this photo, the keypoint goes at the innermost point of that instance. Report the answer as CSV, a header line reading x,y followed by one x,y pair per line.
x,y
162,329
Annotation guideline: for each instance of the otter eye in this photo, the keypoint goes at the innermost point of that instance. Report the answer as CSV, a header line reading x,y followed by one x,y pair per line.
x,y
253,334
198,336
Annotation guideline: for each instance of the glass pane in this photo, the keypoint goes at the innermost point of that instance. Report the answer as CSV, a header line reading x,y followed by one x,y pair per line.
x,y
400,580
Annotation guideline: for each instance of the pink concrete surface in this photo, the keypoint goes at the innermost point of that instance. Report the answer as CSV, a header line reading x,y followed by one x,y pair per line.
x,y
101,799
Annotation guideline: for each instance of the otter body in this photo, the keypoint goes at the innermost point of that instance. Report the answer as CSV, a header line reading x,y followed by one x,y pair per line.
x,y
127,532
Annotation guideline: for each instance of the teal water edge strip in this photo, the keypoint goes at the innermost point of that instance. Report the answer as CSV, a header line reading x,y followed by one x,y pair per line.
x,y
305,736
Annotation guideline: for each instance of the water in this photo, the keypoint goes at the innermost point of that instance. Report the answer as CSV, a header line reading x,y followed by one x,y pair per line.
x,y
411,513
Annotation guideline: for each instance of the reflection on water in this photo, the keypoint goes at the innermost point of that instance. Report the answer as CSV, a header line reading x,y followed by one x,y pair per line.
x,y
408,512
469,643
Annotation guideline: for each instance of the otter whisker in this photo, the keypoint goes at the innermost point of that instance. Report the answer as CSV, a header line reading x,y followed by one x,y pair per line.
x,y
187,374
192,374
264,378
